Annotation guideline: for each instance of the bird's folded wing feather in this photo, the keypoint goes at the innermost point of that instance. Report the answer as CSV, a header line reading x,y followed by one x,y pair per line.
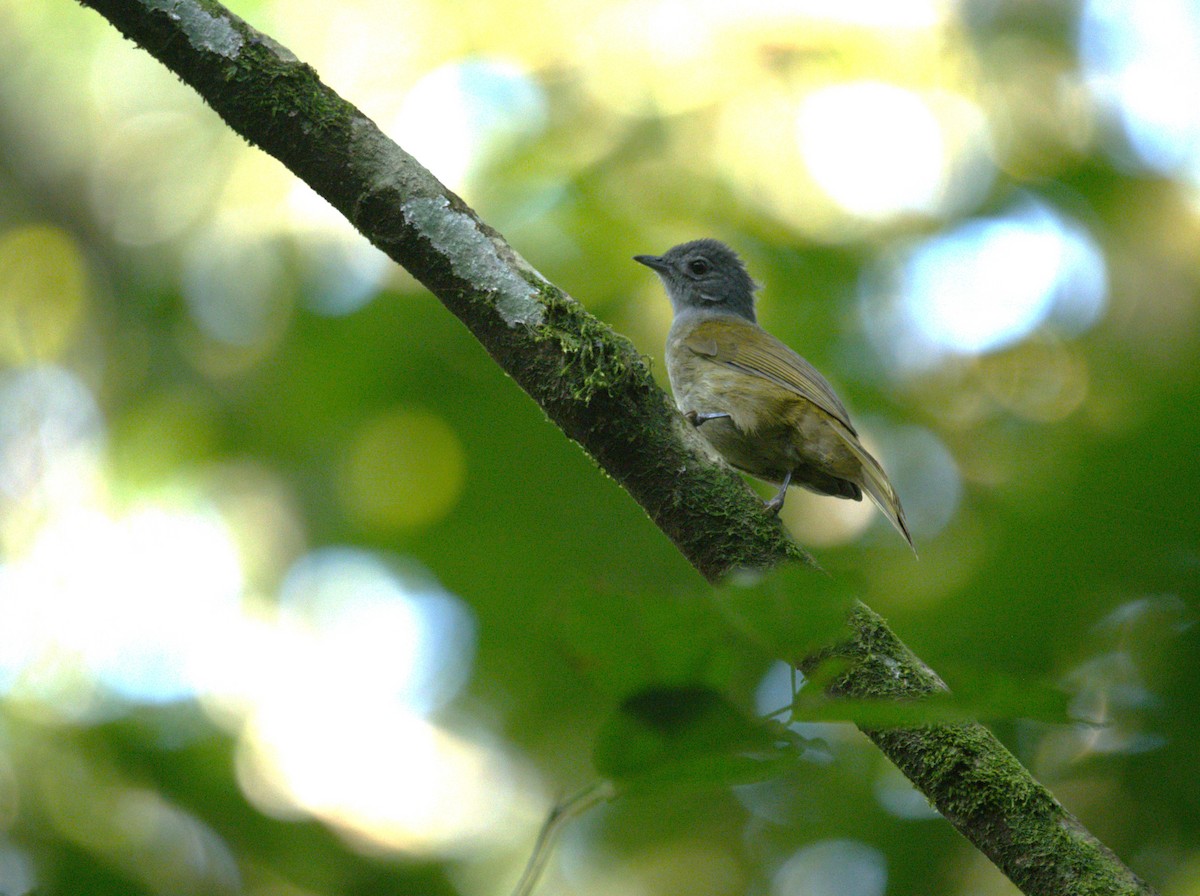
x,y
761,354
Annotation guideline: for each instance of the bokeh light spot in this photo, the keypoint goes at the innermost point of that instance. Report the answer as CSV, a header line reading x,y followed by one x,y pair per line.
x,y
1043,380
908,15
235,288
51,434
134,610
875,148
774,692
898,795
362,655
396,780
401,634
822,521
927,478
145,194
459,115
43,293
1139,58
405,469
17,875
925,475
641,56
341,273
985,285
832,868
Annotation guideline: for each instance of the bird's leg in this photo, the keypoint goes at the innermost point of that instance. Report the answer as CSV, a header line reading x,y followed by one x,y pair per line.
x,y
696,419
776,503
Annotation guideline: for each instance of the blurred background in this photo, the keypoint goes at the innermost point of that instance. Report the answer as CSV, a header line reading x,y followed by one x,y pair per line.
x,y
300,595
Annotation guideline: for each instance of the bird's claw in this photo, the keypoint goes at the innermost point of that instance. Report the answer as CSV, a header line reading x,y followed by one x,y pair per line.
x,y
775,505
695,418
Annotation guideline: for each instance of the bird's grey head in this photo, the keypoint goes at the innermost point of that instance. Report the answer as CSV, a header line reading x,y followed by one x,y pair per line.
x,y
704,274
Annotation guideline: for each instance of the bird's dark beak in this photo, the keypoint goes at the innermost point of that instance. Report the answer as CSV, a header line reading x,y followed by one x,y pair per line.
x,y
653,261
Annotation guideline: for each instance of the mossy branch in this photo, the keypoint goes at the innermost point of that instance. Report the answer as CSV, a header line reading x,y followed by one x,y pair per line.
x,y
593,384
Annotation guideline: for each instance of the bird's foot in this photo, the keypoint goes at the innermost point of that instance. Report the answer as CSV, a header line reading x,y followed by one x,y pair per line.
x,y
696,418
775,504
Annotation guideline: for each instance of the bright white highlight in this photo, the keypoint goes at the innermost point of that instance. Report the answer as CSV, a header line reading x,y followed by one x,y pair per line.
x,y
1141,59
332,691
986,285
137,603
876,149
335,700
383,778
458,115
404,639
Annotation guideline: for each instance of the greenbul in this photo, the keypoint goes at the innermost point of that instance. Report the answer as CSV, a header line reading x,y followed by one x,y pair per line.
x,y
759,404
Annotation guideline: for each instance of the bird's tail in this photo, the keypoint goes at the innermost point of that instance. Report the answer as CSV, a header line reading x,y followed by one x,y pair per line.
x,y
879,487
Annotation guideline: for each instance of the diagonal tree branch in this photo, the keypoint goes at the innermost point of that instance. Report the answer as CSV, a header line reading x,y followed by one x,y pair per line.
x,y
593,384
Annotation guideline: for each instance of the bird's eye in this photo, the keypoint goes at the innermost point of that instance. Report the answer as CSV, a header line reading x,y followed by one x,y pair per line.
x,y
698,266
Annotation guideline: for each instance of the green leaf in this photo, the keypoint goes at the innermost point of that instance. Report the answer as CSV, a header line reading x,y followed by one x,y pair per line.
x,y
789,612
691,735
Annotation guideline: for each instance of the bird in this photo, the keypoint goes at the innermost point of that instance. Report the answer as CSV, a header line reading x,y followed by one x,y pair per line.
x,y
764,408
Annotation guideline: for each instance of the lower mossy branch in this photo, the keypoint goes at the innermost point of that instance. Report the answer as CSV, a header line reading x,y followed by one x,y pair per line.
x,y
593,384
971,778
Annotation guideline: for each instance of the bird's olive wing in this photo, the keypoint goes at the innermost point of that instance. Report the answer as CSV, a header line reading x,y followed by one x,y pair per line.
x,y
751,349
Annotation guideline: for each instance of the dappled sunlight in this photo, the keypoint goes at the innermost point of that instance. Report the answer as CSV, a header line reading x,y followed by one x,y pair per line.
x,y
404,469
860,154
397,631
459,115
98,600
110,606
357,659
385,779
236,289
671,58
141,601
44,294
832,868
299,594
880,151
984,285
51,444
841,131
142,195
351,665
370,49
656,57
1138,59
